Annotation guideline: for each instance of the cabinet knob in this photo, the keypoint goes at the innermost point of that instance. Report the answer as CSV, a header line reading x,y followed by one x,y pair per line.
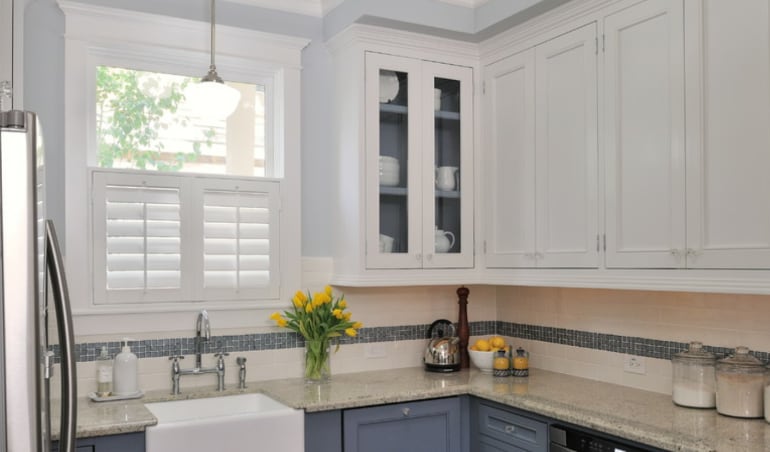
x,y
418,256
429,257
405,411
676,253
510,429
691,252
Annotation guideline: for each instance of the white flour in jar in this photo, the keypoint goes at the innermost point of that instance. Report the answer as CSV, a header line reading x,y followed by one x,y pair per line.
x,y
740,395
694,395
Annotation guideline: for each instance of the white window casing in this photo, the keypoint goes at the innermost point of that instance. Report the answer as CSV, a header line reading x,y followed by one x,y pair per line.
x,y
234,288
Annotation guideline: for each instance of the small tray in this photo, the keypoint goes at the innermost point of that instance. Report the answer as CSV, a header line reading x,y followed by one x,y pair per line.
x,y
112,398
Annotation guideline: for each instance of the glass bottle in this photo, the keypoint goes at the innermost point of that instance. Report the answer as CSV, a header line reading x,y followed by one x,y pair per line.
x,y
103,373
740,385
694,383
501,366
521,363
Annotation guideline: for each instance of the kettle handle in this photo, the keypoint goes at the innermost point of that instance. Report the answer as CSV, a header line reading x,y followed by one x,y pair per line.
x,y
439,322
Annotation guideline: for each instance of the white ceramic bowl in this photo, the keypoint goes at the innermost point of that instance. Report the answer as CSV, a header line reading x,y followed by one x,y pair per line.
x,y
389,178
482,360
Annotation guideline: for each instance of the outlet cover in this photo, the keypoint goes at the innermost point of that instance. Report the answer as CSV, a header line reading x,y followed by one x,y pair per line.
x,y
634,365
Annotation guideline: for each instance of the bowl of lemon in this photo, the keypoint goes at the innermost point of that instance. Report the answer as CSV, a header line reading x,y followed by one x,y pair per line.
x,y
483,352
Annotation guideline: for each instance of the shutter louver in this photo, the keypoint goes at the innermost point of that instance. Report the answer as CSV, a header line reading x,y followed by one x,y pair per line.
x,y
236,240
143,237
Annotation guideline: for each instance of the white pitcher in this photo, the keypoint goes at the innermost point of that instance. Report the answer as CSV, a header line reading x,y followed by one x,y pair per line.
x,y
445,240
445,178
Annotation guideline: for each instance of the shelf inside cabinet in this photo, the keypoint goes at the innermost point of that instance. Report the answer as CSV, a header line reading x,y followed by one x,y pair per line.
x,y
402,191
393,191
449,115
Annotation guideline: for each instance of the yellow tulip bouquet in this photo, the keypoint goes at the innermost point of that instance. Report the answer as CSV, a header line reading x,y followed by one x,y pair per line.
x,y
320,319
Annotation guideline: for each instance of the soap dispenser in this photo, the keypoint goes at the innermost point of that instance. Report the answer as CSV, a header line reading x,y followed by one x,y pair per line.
x,y
104,373
124,372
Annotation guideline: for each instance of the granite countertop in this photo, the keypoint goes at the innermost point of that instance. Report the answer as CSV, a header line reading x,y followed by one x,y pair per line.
x,y
642,416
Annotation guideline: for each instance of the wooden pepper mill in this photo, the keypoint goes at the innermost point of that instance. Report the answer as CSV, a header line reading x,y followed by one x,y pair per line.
x,y
463,331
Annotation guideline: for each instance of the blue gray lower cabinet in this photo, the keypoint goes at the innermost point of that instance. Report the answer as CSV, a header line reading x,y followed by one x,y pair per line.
x,y
439,425
127,442
498,428
422,426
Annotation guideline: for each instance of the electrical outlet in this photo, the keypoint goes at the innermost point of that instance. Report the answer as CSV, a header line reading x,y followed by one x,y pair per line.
x,y
375,350
634,365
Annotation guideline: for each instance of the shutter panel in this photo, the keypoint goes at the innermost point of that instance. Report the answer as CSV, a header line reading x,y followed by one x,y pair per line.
x,y
182,238
138,221
238,242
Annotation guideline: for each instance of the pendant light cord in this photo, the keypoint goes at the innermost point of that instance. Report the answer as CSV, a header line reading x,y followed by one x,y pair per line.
x,y
213,34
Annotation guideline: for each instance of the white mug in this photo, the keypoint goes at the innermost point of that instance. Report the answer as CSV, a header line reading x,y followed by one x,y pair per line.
x,y
445,178
386,243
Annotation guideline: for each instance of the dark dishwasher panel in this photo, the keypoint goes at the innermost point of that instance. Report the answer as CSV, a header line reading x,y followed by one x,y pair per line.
x,y
566,439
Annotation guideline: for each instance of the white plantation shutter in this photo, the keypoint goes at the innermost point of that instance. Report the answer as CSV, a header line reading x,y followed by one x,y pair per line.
x,y
240,239
181,238
137,221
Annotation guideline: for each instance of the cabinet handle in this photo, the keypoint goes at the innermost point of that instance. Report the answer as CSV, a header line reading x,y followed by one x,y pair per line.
x,y
429,257
692,252
676,253
539,255
418,256
405,411
510,429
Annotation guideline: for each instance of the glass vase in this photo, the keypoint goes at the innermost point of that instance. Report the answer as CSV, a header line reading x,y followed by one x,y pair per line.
x,y
317,353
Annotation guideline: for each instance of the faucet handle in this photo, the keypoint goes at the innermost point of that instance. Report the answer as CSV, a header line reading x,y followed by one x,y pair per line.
x,y
175,357
221,355
241,360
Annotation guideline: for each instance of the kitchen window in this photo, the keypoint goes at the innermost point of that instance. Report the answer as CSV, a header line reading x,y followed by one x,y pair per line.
x,y
182,209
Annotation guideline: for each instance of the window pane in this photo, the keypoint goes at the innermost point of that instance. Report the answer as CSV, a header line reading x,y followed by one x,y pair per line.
x,y
143,122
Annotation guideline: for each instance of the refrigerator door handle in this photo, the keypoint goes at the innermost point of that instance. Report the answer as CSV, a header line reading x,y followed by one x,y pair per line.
x,y
66,340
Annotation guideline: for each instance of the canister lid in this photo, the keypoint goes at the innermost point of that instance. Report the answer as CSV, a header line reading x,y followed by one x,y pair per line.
x,y
741,360
696,354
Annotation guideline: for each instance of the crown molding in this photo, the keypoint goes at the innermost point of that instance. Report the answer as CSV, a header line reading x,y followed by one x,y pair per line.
x,y
466,3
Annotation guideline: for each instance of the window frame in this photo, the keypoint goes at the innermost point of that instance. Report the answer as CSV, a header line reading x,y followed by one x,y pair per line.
x,y
100,35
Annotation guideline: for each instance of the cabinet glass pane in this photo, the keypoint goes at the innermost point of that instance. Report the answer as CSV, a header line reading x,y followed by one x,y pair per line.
x,y
447,162
393,158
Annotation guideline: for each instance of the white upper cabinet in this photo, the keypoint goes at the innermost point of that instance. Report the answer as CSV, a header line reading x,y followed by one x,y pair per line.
x,y
404,135
510,183
728,134
419,164
566,150
541,110
643,136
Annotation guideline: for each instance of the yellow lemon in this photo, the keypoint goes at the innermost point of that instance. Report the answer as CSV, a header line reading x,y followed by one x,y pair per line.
x,y
482,345
497,341
474,348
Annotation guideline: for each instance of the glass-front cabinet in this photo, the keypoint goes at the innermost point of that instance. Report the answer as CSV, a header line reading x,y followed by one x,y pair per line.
x,y
419,165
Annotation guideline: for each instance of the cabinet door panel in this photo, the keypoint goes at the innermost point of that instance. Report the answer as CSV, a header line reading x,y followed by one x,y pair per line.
x,y
510,186
728,197
393,162
566,150
427,426
448,150
644,135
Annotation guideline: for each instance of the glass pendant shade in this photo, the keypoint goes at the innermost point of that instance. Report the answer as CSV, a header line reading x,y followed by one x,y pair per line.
x,y
212,99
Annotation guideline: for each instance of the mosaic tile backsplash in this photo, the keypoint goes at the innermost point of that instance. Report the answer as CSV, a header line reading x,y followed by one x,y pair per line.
x,y
638,346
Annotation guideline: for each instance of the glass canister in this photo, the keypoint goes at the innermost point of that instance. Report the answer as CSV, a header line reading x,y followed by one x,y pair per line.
x,y
740,385
767,394
694,382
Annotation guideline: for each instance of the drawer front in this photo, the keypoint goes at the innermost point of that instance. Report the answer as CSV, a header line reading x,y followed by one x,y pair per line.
x,y
487,444
512,429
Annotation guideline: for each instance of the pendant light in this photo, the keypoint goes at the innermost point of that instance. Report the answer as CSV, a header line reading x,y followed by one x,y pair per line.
x,y
211,97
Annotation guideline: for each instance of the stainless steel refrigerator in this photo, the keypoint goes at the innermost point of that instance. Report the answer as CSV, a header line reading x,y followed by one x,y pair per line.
x,y
33,286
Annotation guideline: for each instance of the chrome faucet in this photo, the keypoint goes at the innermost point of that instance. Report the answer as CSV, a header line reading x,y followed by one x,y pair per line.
x,y
241,361
202,333
202,326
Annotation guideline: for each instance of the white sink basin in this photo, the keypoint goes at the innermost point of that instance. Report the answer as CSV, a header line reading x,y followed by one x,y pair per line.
x,y
225,424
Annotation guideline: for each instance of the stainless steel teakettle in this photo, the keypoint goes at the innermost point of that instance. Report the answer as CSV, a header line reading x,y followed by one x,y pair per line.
x,y
443,352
